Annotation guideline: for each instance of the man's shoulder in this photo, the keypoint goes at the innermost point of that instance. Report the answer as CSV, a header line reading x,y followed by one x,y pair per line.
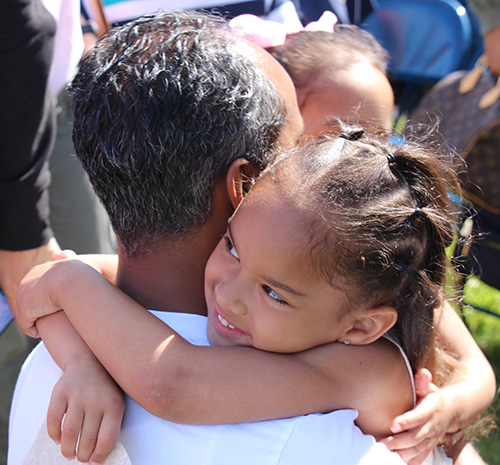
x,y
30,402
191,327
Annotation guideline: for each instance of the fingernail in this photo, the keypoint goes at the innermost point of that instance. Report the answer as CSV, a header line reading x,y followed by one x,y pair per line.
x,y
396,428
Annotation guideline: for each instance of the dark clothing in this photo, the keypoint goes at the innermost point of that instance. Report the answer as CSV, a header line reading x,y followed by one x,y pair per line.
x,y
352,12
27,124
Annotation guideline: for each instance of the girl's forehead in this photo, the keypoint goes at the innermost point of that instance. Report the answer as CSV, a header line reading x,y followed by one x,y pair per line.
x,y
273,239
277,180
269,215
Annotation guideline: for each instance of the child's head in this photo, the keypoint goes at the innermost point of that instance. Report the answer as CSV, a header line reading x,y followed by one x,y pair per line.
x,y
335,241
338,75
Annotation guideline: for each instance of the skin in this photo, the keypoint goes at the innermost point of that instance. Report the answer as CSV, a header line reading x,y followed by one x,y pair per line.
x,y
186,389
360,94
261,295
171,278
194,379
15,264
171,275
492,49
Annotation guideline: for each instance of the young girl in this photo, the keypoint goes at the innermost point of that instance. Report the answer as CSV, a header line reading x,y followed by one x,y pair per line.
x,y
343,240
338,70
339,75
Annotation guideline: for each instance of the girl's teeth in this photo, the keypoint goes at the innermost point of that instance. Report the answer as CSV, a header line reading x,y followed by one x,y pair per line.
x,y
225,322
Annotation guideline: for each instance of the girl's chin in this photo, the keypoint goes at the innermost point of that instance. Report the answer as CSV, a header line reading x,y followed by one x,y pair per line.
x,y
215,338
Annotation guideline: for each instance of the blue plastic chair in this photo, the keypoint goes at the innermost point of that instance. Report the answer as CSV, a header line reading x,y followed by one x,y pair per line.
x,y
426,40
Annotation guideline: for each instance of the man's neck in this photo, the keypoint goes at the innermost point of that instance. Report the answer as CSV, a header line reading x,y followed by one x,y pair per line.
x,y
171,277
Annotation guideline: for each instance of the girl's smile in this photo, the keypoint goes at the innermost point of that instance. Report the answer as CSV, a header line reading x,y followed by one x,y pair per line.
x,y
259,287
228,330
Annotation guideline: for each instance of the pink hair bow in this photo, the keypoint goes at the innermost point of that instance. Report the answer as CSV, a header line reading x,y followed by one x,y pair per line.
x,y
271,33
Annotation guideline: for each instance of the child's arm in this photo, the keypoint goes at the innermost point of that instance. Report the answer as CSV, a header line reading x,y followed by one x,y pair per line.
x,y
85,389
178,383
191,384
86,395
446,410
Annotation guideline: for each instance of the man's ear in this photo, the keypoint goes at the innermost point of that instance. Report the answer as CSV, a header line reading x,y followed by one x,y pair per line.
x,y
239,179
370,325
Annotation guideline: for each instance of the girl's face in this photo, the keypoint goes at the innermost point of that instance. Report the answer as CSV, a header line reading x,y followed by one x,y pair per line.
x,y
258,286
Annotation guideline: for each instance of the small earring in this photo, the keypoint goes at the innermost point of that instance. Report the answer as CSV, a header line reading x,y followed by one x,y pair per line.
x,y
346,342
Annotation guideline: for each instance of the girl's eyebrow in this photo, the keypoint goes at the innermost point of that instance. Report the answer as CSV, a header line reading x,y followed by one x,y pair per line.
x,y
282,286
271,281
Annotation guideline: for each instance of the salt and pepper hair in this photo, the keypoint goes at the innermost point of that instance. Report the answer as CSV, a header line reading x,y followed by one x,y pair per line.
x,y
309,56
162,106
379,220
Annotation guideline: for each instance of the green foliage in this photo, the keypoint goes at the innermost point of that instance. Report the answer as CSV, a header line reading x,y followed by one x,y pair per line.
x,y
486,331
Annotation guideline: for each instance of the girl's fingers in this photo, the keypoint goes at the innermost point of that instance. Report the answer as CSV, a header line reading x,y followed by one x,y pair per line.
x,y
400,441
64,254
55,414
416,453
423,380
88,436
72,425
410,439
107,438
417,417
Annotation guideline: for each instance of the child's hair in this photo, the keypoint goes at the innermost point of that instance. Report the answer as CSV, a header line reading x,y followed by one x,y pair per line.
x,y
311,55
379,218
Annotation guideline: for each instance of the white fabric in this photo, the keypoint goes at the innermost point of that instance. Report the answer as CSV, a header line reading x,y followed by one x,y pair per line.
x,y
45,452
68,45
390,338
437,456
320,439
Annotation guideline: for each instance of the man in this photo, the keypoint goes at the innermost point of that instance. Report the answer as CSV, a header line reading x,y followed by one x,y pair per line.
x,y
172,115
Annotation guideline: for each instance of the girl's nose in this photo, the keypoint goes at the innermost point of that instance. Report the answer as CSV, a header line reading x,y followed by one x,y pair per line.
x,y
230,297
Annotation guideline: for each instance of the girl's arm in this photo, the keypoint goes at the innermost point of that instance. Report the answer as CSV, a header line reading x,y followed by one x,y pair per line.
x,y
191,384
86,396
178,381
469,392
472,379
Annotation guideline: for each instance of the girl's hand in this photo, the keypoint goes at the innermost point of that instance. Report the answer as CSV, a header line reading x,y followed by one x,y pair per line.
x,y
418,431
34,297
86,405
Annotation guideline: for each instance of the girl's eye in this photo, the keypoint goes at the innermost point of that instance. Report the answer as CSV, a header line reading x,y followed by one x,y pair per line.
x,y
271,293
230,247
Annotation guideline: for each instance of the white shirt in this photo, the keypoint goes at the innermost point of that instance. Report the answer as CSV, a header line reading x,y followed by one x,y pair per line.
x,y
318,439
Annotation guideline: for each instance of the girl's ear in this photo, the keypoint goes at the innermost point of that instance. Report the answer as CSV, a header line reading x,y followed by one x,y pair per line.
x,y
370,325
239,179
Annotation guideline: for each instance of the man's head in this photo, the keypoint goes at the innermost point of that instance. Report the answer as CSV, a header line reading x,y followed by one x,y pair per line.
x,y
339,75
162,107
